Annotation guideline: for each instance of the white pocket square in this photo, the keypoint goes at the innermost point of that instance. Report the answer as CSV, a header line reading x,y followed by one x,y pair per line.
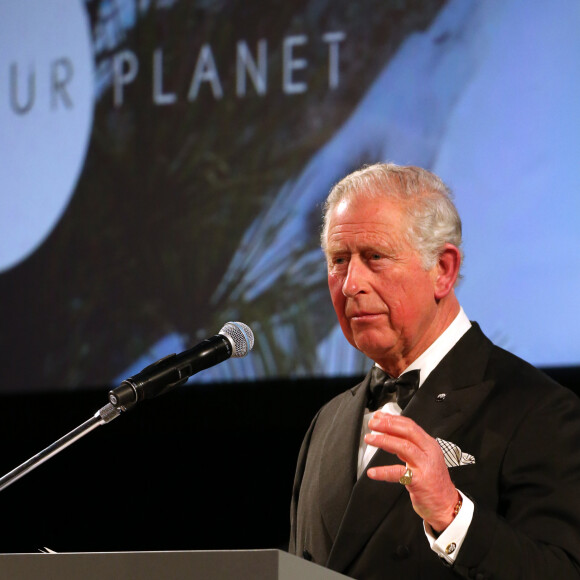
x,y
454,457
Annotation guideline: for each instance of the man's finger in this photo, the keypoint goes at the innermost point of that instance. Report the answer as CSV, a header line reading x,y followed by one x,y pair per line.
x,y
404,449
401,427
391,473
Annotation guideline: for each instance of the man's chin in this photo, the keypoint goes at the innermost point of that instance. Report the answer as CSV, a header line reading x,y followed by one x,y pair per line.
x,y
372,345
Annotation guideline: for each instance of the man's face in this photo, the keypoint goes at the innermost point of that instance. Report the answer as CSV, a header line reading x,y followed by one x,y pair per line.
x,y
382,295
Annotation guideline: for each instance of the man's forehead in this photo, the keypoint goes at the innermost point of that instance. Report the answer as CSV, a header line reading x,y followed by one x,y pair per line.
x,y
366,235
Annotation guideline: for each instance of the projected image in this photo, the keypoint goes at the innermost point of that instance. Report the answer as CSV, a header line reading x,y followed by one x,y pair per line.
x,y
218,129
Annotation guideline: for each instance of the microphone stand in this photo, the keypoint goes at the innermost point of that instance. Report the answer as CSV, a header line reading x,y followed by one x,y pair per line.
x,y
102,416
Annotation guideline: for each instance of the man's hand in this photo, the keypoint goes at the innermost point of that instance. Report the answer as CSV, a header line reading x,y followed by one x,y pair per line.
x,y
432,492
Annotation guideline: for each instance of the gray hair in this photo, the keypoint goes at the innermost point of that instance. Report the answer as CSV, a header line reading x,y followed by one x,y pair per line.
x,y
433,218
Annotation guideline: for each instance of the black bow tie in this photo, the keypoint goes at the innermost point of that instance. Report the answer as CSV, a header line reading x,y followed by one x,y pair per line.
x,y
383,388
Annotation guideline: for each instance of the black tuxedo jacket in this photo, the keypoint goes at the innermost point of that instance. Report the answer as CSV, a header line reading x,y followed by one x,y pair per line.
x,y
522,428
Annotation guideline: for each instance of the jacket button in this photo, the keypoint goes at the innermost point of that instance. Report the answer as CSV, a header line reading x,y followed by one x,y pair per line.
x,y
402,552
307,555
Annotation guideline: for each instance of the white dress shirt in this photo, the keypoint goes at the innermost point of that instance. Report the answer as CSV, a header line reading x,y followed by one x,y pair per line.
x,y
448,543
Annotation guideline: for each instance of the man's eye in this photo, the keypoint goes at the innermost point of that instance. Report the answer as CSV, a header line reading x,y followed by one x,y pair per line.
x,y
337,261
375,256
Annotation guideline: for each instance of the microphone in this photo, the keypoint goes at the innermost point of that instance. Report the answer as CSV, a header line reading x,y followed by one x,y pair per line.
x,y
234,339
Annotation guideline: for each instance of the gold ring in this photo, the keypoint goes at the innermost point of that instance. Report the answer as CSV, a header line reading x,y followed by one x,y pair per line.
x,y
407,477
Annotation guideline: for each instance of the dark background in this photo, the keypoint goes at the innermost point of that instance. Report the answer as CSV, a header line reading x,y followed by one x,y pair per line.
x,y
204,467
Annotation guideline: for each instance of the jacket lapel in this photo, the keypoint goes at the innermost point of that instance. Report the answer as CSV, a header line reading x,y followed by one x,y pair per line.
x,y
447,400
340,449
369,504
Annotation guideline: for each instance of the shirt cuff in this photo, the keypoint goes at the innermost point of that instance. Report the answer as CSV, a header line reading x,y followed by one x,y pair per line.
x,y
448,543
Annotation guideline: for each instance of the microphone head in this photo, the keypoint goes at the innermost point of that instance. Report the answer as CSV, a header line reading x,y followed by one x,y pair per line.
x,y
240,336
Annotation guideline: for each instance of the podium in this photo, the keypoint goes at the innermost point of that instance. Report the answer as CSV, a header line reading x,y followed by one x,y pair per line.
x,y
178,565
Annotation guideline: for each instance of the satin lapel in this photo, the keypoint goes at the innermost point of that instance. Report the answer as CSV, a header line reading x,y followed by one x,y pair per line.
x,y
459,377
338,467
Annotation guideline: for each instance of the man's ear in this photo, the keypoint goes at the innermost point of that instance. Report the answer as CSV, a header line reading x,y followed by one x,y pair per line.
x,y
447,270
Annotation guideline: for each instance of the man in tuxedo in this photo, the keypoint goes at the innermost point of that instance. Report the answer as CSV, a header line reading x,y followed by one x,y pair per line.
x,y
470,466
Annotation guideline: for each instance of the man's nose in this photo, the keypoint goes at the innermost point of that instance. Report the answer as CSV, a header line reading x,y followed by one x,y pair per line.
x,y
354,283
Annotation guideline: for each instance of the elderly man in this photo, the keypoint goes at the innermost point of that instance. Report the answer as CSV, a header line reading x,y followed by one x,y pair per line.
x,y
471,466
